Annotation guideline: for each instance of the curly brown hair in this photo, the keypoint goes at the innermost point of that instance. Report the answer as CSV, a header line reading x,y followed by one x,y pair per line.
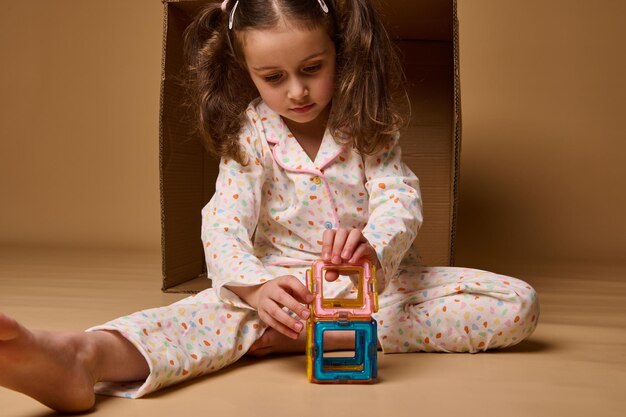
x,y
369,103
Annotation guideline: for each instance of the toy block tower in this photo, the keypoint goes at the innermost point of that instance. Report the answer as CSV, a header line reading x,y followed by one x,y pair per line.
x,y
343,314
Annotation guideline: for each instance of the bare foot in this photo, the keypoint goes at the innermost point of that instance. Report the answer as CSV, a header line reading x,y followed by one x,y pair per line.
x,y
53,368
273,341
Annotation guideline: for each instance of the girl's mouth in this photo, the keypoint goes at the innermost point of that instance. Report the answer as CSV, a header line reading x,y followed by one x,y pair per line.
x,y
303,109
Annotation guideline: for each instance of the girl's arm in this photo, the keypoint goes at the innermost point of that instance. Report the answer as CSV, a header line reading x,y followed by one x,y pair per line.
x,y
228,223
229,220
395,208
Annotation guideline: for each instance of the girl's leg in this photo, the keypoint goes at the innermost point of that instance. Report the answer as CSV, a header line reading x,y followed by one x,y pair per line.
x,y
452,309
130,356
192,337
60,369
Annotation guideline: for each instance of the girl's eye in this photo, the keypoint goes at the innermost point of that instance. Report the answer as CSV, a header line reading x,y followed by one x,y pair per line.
x,y
313,68
272,78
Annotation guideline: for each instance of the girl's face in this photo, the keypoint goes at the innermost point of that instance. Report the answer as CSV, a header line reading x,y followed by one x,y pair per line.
x,y
293,70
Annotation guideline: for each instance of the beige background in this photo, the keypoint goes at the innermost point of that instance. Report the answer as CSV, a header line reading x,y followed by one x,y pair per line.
x,y
543,146
542,170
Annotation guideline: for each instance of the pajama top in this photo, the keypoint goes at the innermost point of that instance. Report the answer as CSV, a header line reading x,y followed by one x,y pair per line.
x,y
273,212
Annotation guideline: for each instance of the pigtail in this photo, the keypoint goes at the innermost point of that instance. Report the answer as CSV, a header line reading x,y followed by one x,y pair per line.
x,y
218,87
370,94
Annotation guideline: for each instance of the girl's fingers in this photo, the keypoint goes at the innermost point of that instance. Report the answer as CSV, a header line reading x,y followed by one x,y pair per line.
x,y
327,243
275,324
354,239
340,239
284,299
331,275
275,317
294,287
364,250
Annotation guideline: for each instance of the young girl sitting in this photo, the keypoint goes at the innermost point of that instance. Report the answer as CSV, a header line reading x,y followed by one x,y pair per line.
x,y
300,99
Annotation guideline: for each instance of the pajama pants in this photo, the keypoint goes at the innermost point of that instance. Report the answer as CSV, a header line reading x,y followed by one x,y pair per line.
x,y
424,309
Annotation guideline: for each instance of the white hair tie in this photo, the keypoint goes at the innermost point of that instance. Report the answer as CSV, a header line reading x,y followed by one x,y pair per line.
x,y
232,12
323,6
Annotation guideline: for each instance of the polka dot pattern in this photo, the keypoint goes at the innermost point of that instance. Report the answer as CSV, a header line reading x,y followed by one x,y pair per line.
x,y
267,218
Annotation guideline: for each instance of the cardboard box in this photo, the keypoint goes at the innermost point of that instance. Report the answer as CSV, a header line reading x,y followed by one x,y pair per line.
x,y
427,33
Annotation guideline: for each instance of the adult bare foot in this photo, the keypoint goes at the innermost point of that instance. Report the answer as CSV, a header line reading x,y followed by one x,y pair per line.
x,y
53,368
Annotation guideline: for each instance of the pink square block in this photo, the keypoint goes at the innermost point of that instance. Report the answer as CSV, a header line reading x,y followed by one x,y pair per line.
x,y
361,307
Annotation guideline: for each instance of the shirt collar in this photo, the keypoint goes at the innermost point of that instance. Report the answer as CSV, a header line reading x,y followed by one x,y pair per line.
x,y
287,150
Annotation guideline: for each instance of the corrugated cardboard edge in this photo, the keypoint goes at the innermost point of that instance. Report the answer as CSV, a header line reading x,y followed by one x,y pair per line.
x,y
456,163
161,144
197,284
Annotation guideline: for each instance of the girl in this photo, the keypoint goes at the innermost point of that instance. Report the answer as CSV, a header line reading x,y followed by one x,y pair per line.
x,y
301,99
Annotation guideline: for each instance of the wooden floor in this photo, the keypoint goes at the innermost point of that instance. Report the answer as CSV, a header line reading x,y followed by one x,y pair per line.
x,y
573,365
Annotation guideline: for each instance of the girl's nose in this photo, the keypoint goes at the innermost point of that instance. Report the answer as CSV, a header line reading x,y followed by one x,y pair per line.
x,y
297,90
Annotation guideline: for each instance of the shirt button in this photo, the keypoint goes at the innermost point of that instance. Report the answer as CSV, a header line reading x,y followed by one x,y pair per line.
x,y
317,180
328,225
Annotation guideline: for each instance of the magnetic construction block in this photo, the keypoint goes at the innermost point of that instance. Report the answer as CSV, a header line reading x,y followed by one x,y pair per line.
x,y
365,303
343,314
361,367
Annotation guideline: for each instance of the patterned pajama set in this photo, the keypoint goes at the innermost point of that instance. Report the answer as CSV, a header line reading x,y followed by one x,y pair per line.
x,y
267,219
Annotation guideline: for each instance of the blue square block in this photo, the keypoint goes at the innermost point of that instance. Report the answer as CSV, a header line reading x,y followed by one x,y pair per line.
x,y
361,367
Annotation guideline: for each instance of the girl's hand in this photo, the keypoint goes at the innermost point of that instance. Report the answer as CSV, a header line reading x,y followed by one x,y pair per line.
x,y
284,291
346,246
